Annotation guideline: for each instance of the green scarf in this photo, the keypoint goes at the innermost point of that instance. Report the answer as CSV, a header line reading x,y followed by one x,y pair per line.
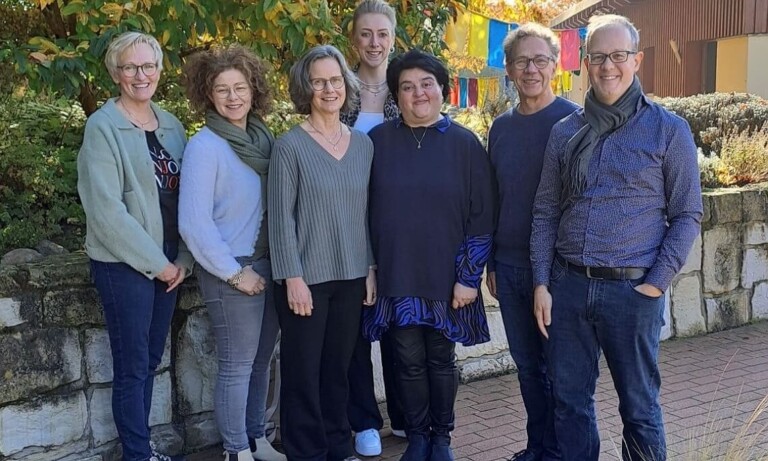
x,y
254,147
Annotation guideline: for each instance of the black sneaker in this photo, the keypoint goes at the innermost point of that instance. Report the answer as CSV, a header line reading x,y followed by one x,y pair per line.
x,y
524,455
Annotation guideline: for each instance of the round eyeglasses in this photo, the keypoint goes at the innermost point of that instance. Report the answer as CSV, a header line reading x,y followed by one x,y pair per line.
x,y
540,61
130,70
617,57
319,84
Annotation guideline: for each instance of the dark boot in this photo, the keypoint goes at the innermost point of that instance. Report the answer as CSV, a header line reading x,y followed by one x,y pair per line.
x,y
418,448
441,453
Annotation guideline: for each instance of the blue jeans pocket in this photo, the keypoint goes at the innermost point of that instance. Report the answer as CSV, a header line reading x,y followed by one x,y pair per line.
x,y
632,284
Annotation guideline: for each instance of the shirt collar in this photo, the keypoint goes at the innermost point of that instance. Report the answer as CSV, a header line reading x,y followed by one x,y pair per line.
x,y
441,125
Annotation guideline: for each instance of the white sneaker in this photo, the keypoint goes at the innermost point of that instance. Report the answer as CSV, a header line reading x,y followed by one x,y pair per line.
x,y
399,433
266,452
368,442
244,455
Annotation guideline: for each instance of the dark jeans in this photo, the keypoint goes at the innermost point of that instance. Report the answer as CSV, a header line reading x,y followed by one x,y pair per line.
x,y
363,411
314,359
589,315
138,315
514,286
428,380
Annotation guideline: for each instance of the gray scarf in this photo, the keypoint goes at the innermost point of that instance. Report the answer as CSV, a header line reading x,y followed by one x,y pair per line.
x,y
601,119
254,147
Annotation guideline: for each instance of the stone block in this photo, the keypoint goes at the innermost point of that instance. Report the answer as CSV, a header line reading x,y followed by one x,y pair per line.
x,y
201,431
693,262
11,280
667,330
98,356
725,206
727,311
755,204
756,233
162,400
37,361
686,306
168,441
486,367
706,217
60,270
20,256
498,342
721,265
26,308
43,424
755,268
10,313
102,425
72,307
70,452
189,297
760,301
195,364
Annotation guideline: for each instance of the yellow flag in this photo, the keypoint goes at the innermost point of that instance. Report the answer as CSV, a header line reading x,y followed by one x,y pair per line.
x,y
478,36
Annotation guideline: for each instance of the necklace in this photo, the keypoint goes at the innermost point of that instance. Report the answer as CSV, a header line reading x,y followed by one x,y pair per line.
x,y
333,144
418,140
374,88
133,117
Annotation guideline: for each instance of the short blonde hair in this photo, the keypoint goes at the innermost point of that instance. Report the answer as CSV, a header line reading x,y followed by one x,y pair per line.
x,y
375,7
127,40
531,29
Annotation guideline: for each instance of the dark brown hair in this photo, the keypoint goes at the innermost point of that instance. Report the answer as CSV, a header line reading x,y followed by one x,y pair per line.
x,y
202,68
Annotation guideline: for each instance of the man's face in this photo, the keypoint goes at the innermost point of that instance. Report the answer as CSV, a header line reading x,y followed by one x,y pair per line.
x,y
610,80
531,81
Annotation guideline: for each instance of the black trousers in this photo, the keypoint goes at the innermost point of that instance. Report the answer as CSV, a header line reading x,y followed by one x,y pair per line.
x,y
363,410
428,380
314,359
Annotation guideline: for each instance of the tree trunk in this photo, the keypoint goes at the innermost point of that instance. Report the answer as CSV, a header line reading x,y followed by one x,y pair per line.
x,y
87,100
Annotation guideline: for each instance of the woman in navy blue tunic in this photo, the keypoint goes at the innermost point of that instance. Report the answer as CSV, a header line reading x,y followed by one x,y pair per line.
x,y
431,216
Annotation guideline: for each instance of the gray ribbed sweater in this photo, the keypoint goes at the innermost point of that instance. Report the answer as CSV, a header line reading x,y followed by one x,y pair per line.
x,y
318,209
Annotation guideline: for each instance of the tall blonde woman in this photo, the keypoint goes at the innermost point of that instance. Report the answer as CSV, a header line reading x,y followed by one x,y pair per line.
x,y
373,38
318,229
128,181
222,216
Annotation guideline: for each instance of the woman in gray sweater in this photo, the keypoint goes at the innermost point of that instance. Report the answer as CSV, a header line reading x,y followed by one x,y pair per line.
x,y
321,257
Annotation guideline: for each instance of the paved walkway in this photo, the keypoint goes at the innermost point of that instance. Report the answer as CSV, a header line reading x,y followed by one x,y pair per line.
x,y
713,388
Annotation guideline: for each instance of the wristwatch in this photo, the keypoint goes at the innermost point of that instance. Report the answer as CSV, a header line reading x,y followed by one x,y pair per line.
x,y
236,279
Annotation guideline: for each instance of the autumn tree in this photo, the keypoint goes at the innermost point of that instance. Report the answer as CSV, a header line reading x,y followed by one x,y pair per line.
x,y
65,53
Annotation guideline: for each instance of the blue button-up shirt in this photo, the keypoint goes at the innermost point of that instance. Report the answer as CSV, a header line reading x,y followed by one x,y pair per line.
x,y
642,202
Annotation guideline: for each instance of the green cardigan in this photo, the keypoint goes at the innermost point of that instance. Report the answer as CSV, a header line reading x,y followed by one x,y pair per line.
x,y
116,183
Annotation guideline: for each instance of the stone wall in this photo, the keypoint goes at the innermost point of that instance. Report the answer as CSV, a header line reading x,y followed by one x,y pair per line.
x,y
55,365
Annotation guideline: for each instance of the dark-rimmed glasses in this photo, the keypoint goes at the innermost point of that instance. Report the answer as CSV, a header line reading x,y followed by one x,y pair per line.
x,y
617,57
540,61
319,84
130,70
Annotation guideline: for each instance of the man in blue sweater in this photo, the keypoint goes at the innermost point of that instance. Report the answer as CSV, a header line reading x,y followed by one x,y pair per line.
x,y
616,212
516,145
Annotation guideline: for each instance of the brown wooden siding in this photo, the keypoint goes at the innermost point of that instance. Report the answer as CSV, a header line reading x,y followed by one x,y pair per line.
x,y
689,22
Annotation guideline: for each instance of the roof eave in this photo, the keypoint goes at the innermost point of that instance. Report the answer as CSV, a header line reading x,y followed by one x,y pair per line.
x,y
578,15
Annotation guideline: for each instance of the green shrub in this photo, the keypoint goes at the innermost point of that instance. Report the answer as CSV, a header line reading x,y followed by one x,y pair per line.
x,y
38,177
712,116
708,167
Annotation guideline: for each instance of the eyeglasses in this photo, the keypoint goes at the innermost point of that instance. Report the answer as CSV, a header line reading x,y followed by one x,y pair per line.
x,y
130,70
540,61
617,57
426,85
223,92
319,84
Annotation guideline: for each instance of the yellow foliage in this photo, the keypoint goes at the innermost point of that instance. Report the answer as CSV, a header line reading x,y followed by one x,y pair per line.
x,y
744,158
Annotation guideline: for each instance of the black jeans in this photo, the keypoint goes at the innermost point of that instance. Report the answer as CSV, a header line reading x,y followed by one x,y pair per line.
x,y
314,359
363,410
428,380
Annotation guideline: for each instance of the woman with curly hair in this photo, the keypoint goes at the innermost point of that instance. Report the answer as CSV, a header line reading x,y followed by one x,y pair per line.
x,y
222,215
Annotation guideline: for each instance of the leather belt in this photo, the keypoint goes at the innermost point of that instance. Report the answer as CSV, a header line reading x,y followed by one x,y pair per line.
x,y
605,273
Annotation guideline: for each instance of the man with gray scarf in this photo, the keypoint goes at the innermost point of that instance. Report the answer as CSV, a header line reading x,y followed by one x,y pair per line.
x,y
616,212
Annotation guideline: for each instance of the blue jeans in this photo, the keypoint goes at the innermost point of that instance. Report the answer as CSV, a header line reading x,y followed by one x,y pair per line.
x,y
514,287
589,315
138,315
245,329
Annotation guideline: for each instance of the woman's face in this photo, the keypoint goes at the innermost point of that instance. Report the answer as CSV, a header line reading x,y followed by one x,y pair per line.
x,y
419,96
140,87
372,36
325,74
232,97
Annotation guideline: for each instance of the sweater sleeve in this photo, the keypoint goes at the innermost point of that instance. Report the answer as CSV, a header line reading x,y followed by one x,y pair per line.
x,y
196,201
471,258
282,195
482,205
100,187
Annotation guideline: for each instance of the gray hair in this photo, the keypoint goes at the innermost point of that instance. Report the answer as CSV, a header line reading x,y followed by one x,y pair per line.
x,y
598,22
531,29
375,7
300,88
126,40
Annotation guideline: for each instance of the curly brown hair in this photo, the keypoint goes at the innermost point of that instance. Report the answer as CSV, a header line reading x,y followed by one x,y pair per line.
x,y
202,68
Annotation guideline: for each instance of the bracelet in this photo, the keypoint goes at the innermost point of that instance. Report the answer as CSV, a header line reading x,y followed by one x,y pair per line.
x,y
372,268
235,280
